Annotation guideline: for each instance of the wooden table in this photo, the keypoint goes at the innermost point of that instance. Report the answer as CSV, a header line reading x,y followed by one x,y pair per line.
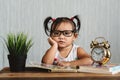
x,y
5,74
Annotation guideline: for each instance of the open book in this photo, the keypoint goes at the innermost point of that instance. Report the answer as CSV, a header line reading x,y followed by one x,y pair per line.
x,y
106,69
50,68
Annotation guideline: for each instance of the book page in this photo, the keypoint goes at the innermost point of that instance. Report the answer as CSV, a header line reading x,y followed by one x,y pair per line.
x,y
53,68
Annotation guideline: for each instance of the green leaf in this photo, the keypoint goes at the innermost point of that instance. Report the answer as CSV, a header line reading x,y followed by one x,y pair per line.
x,y
18,44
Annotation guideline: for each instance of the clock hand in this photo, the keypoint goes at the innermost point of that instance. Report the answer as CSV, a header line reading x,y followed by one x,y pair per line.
x,y
95,52
100,52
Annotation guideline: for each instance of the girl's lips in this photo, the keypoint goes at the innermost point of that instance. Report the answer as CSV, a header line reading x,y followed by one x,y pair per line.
x,y
61,42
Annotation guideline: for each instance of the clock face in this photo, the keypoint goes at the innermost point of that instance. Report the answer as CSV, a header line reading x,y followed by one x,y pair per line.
x,y
97,54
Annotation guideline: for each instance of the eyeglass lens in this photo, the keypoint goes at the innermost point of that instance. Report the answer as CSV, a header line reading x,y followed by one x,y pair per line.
x,y
67,33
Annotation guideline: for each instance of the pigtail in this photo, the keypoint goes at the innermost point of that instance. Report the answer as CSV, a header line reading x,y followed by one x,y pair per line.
x,y
46,22
78,24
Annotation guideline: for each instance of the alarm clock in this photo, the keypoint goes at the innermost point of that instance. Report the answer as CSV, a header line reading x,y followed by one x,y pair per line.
x,y
100,51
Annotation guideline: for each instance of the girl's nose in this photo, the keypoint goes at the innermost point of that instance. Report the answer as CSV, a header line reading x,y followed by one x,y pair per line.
x,y
61,36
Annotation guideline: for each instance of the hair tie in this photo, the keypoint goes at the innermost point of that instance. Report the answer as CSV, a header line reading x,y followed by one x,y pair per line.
x,y
53,19
72,18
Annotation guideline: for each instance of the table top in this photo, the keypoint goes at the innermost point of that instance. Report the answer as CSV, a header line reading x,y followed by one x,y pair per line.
x,y
5,74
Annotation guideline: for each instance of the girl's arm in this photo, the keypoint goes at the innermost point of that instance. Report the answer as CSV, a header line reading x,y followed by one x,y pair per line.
x,y
83,59
48,58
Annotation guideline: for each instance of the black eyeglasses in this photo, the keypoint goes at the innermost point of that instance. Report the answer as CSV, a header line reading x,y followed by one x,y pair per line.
x,y
67,33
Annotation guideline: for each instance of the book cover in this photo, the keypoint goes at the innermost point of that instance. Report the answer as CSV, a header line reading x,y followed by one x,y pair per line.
x,y
104,69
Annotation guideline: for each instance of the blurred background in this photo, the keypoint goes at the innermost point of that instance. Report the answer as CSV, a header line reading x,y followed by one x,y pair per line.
x,y
98,18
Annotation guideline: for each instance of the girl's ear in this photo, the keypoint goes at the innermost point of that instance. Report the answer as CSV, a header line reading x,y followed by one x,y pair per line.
x,y
75,36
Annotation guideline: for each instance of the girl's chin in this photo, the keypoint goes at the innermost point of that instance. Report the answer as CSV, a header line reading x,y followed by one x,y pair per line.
x,y
62,46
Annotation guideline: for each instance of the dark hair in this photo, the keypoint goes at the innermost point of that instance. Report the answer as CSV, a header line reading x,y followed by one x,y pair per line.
x,y
51,24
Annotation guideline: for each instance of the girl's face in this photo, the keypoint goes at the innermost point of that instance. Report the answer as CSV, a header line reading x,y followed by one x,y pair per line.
x,y
66,35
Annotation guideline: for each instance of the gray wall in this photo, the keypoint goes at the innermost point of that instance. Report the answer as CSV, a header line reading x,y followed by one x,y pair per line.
x,y
98,18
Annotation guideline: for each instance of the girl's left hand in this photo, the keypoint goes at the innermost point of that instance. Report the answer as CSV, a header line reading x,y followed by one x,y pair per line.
x,y
52,42
63,63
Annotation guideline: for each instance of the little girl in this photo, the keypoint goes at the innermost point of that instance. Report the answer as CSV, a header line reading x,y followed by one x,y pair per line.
x,y
63,52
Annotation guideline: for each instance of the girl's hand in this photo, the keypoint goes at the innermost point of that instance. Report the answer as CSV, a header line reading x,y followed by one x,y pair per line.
x,y
52,42
63,63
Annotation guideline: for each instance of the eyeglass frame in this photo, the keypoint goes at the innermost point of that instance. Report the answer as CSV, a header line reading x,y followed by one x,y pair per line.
x,y
62,32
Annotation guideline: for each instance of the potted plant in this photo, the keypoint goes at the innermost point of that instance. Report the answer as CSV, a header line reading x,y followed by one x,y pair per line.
x,y
18,46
